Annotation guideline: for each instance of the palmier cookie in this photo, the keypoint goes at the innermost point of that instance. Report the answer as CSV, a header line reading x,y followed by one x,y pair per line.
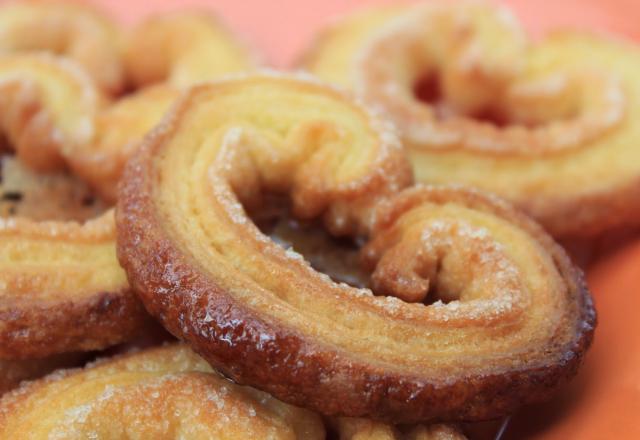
x,y
164,55
70,29
511,317
548,125
61,287
183,48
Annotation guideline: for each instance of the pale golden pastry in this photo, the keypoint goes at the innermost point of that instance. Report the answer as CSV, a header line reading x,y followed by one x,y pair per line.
x,y
47,108
547,125
182,48
71,29
493,315
93,134
162,393
164,55
63,289
119,129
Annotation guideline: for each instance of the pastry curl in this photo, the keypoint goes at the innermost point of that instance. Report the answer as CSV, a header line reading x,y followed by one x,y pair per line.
x,y
183,48
70,29
167,392
119,129
164,55
478,104
511,317
77,126
47,108
61,288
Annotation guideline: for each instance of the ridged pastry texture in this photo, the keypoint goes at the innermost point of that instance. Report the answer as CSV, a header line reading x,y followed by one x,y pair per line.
x,y
511,317
66,28
61,287
162,393
547,125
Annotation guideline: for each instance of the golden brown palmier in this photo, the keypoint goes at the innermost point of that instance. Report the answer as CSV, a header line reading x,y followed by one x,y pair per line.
x,y
168,52
161,393
164,55
545,125
511,317
71,29
61,288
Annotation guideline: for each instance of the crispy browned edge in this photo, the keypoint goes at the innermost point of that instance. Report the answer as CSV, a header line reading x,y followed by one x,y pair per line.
x,y
253,349
62,324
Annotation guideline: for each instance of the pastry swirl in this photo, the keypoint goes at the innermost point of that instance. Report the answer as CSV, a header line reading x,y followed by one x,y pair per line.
x,y
161,56
119,128
164,55
167,392
511,316
478,104
70,29
61,287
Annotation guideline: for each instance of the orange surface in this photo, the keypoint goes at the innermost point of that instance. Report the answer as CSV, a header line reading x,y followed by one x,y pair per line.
x,y
604,402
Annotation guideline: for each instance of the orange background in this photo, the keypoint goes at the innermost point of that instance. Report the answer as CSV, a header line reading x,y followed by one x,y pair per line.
x,y
604,402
